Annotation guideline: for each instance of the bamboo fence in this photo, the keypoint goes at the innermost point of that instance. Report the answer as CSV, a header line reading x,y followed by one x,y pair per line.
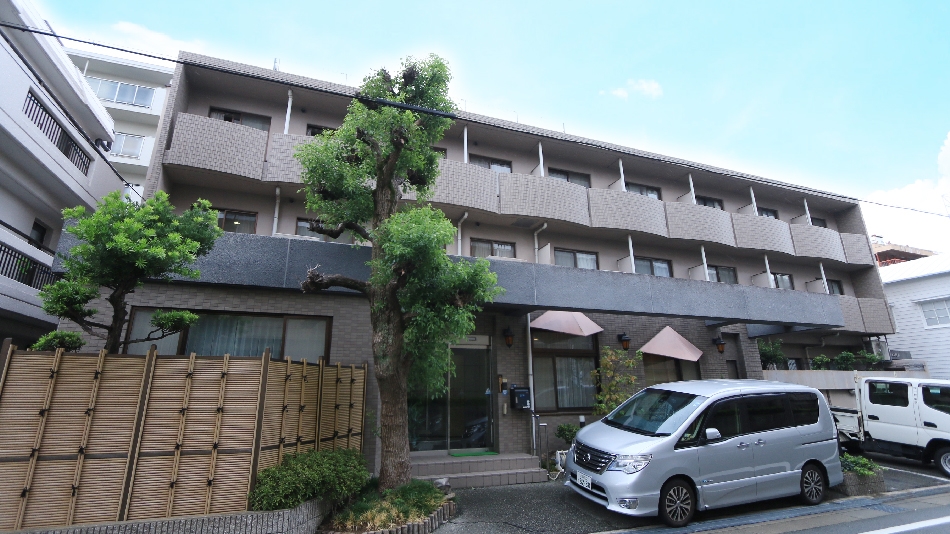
x,y
92,438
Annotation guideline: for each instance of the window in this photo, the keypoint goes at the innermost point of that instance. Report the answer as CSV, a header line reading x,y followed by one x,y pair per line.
x,y
726,417
937,397
572,258
817,221
314,130
127,145
804,408
239,222
835,287
497,165
709,202
258,122
562,371
38,233
123,93
725,275
935,312
783,281
303,228
653,266
644,190
655,412
483,249
766,412
768,212
570,176
888,393
216,334
661,370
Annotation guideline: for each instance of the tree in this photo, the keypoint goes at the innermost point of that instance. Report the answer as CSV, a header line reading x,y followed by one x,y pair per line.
x,y
420,300
614,379
122,244
770,353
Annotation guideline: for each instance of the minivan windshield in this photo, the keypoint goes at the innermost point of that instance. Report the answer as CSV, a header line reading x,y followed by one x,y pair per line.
x,y
654,412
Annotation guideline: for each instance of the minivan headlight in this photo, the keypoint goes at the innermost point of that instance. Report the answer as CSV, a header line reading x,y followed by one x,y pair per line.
x,y
630,463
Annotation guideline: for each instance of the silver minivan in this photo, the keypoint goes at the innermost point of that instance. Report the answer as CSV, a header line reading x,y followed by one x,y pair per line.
x,y
676,448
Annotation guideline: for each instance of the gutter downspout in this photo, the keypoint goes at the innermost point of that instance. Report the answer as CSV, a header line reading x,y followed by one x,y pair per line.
x,y
633,266
465,144
540,159
458,245
276,209
534,430
702,251
290,103
536,232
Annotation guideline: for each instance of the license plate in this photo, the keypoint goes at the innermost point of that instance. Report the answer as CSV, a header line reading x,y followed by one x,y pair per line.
x,y
583,480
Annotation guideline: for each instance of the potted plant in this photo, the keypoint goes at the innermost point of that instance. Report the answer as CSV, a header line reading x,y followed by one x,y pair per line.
x,y
861,476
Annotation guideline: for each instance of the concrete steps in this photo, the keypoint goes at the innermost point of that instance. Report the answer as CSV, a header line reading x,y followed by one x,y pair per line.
x,y
480,471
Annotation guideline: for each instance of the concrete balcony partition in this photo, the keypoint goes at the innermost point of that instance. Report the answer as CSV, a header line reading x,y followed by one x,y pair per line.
x,y
282,166
467,185
215,145
853,320
700,223
762,233
627,211
877,319
857,249
817,242
542,197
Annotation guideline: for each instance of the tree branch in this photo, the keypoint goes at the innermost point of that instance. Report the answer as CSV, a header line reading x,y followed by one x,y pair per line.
x,y
150,338
317,281
88,326
317,226
373,144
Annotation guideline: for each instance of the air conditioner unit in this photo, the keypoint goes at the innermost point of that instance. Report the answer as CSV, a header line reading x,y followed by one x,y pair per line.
x,y
879,347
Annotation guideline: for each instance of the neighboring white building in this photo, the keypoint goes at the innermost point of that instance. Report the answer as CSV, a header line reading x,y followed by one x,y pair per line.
x,y
918,292
50,121
134,94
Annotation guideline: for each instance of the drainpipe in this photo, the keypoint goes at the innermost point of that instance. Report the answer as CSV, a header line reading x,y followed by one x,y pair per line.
x,y
540,159
824,281
622,179
633,267
276,209
692,190
465,144
84,69
458,246
768,271
755,207
702,251
536,232
534,431
290,103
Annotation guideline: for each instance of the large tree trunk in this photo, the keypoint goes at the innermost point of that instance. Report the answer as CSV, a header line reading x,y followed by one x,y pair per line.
x,y
395,468
119,313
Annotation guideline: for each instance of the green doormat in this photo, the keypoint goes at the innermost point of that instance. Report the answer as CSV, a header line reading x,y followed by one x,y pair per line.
x,y
474,453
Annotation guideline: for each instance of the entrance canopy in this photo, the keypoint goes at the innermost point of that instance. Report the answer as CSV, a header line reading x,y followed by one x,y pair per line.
x,y
573,323
672,345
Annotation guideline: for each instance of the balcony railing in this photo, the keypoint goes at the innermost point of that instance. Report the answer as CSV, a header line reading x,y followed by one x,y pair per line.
x,y
17,266
55,133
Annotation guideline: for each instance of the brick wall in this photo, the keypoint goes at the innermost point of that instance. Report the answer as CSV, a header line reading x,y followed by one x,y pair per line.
x,y
762,233
627,211
689,221
216,145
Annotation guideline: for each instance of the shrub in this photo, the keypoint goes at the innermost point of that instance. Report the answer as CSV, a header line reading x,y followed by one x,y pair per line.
x,y
859,465
334,476
393,508
70,341
615,383
770,353
844,361
821,363
567,432
871,360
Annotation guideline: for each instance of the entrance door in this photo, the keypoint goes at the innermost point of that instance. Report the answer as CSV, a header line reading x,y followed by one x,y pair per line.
x,y
460,418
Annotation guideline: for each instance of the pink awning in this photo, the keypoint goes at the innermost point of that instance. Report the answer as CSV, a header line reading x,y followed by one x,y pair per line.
x,y
672,345
573,323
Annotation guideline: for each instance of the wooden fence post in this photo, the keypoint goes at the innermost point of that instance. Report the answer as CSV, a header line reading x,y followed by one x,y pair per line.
x,y
6,350
336,406
80,457
135,443
259,423
349,419
217,432
181,434
303,383
283,413
363,411
316,432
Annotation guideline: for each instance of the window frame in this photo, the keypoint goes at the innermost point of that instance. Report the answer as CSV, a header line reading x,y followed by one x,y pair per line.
x,y
791,280
46,231
761,213
114,98
570,175
493,242
553,353
241,114
491,161
837,283
824,222
923,313
669,264
721,206
574,253
907,388
126,135
923,396
659,190
322,129
718,279
318,237
789,416
222,213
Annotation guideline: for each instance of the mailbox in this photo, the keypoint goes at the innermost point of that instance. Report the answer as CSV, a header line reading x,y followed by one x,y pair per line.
x,y
520,398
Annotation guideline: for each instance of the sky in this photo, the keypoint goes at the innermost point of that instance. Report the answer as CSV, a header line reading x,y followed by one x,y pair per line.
x,y
848,97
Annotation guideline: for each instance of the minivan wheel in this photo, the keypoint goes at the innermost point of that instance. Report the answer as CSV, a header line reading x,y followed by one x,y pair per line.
x,y
942,459
813,485
677,503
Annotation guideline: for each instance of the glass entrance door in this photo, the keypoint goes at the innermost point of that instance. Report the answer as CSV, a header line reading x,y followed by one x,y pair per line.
x,y
461,418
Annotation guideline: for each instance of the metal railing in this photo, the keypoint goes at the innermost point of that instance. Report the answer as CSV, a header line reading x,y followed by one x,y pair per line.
x,y
28,239
24,269
55,133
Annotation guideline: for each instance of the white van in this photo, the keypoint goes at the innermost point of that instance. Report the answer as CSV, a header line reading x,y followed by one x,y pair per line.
x,y
676,448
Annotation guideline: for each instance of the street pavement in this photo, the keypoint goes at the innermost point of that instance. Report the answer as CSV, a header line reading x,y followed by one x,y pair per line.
x,y
915,493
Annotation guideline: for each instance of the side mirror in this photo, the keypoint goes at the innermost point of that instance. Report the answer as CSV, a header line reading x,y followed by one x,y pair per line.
x,y
712,434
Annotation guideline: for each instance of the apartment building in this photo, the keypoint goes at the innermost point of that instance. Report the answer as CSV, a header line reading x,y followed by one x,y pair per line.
x,y
134,95
49,123
596,245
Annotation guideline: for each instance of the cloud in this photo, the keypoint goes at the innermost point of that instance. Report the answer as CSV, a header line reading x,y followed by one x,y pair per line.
x,y
648,88
908,227
132,36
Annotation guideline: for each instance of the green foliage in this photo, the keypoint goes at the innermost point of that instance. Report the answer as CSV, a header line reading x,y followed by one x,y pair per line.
x,y
844,361
334,476
567,432
70,341
68,298
859,465
770,353
173,320
614,379
373,510
871,360
821,363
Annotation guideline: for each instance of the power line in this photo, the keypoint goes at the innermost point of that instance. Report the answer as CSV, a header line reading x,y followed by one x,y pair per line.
x,y
904,208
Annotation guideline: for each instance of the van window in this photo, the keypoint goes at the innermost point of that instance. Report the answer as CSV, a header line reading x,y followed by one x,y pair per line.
x,y
804,408
727,419
937,398
888,393
654,412
766,412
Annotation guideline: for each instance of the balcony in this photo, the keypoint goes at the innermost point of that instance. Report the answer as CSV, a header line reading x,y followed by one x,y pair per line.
x,y
877,319
461,184
857,249
627,211
282,166
215,145
817,242
762,233
699,223
542,197
853,321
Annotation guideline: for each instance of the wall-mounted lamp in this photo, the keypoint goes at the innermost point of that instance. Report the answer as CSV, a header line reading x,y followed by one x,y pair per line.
x,y
624,340
720,344
509,336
